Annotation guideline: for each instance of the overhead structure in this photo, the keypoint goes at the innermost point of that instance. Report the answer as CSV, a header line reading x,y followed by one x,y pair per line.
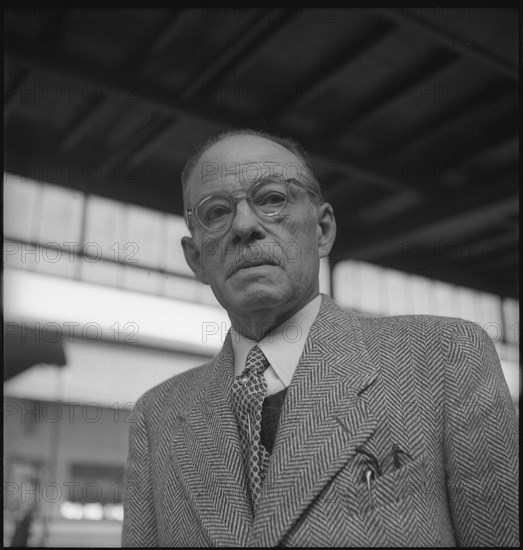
x,y
410,116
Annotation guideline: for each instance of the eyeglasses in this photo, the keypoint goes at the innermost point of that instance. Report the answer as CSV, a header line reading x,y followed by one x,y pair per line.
x,y
268,198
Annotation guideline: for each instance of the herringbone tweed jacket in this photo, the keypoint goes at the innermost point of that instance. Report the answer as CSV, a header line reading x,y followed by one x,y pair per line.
x,y
431,386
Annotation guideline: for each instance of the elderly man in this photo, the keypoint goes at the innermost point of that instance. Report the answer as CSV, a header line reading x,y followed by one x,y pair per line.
x,y
313,426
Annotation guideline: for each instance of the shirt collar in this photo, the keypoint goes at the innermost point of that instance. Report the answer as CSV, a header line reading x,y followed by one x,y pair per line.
x,y
282,347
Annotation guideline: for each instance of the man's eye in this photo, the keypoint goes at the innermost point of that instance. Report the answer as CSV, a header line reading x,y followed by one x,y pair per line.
x,y
216,213
272,198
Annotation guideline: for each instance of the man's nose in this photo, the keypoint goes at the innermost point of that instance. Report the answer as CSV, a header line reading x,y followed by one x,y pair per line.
x,y
245,223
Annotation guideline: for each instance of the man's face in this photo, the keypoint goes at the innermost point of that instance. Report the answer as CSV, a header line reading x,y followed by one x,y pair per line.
x,y
259,263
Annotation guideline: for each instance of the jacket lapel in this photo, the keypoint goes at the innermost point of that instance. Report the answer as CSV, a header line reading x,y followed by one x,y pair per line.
x,y
324,419
207,455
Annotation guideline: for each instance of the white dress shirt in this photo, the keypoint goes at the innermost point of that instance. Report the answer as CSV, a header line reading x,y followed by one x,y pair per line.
x,y
282,347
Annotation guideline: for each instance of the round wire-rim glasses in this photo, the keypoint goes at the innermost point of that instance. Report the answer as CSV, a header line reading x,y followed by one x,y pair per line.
x,y
266,198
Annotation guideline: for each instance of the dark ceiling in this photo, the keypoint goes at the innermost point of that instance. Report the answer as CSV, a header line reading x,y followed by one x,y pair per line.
x,y
409,115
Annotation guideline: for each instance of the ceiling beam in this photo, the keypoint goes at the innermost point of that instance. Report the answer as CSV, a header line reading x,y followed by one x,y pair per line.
x,y
167,31
81,124
356,46
459,213
466,47
135,142
150,146
486,163
243,48
462,114
376,245
90,116
431,173
422,69
506,151
386,208
13,90
494,132
132,90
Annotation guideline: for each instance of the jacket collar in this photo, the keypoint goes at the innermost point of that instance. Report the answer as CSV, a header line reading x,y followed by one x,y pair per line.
x,y
324,418
208,457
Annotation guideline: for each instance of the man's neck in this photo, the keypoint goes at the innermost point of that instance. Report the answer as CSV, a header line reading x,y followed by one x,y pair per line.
x,y
256,325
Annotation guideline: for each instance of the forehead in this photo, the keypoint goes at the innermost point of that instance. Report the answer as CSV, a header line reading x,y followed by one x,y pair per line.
x,y
237,160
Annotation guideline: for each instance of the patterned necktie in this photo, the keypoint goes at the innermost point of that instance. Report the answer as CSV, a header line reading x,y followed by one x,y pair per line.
x,y
248,392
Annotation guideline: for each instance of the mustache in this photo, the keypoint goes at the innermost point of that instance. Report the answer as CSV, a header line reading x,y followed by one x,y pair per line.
x,y
251,256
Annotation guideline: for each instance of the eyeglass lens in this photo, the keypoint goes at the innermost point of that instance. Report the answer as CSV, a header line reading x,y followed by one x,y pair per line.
x,y
267,197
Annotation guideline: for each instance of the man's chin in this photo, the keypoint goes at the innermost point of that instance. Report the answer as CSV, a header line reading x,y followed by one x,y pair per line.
x,y
256,296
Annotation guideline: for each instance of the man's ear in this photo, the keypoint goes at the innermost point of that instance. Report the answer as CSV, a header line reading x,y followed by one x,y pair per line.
x,y
193,257
326,229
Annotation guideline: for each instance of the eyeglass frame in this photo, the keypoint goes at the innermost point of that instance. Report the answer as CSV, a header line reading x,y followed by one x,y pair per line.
x,y
192,211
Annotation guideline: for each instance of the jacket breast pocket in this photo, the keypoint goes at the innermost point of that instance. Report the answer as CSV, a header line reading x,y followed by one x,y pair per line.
x,y
362,496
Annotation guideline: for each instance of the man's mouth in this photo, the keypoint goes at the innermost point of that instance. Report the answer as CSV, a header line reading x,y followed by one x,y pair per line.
x,y
247,264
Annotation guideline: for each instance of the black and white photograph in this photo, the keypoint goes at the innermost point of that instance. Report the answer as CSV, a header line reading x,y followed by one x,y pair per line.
x,y
260,275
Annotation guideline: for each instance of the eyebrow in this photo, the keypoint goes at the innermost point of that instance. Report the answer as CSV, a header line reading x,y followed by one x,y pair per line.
x,y
228,190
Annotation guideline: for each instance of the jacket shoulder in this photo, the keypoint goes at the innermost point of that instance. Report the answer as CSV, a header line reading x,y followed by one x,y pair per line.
x,y
379,329
430,340
170,393
423,324
369,322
